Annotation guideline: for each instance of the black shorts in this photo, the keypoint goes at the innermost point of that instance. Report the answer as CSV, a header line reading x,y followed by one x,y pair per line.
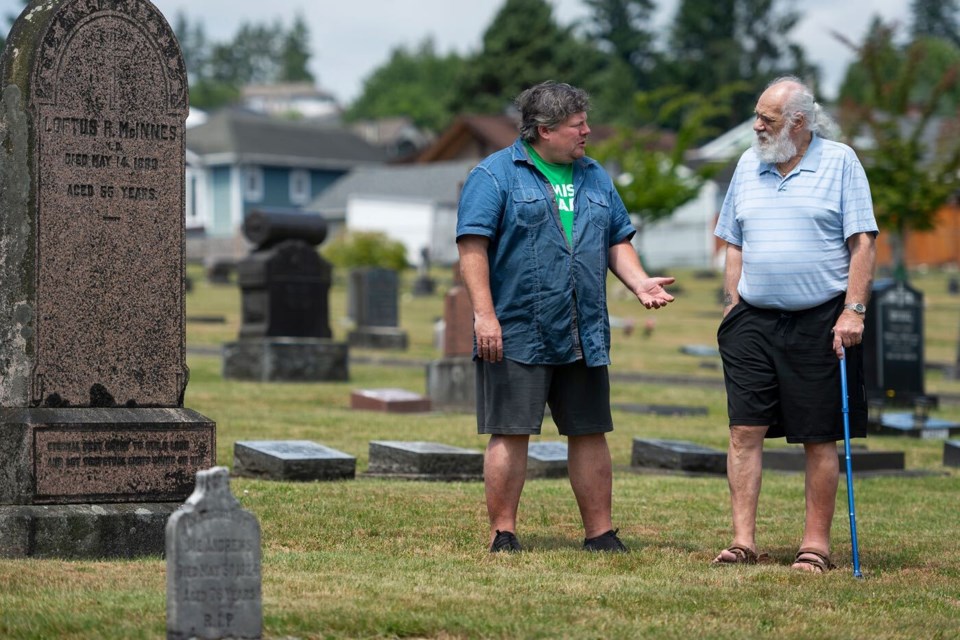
x,y
781,371
511,398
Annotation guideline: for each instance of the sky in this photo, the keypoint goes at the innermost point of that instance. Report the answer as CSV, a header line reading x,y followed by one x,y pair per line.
x,y
351,38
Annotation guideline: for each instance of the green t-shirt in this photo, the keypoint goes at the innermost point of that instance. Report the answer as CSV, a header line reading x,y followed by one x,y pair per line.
x,y
561,179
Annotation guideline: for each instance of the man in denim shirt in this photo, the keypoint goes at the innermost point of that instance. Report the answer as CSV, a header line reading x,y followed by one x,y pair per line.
x,y
538,226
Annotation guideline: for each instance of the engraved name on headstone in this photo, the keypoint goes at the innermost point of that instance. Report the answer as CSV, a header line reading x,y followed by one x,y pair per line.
x,y
98,316
213,565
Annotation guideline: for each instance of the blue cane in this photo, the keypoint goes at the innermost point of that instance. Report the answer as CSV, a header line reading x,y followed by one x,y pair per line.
x,y
846,450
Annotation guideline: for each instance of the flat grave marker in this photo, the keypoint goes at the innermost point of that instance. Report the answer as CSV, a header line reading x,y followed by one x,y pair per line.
x,y
291,460
951,453
389,401
677,455
547,460
423,461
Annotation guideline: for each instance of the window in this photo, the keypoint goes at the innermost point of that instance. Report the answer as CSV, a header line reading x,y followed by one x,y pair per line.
x,y
299,186
253,184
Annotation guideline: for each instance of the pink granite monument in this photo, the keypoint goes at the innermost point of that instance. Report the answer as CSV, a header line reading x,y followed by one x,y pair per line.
x,y
92,346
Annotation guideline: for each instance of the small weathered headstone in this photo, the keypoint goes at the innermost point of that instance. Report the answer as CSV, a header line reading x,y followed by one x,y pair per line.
x,y
423,461
861,460
389,401
547,460
291,460
677,455
373,306
213,565
458,319
451,380
951,453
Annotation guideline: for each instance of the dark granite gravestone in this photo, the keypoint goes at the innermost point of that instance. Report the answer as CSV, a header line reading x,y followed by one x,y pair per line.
x,y
547,460
389,401
951,453
677,455
861,460
92,351
374,309
451,380
213,565
893,344
291,460
423,461
285,323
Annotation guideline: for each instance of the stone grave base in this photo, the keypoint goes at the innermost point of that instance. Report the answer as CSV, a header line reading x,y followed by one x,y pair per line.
x,y
84,531
91,455
677,455
389,401
951,453
905,424
547,460
291,460
451,384
286,360
423,461
792,459
378,338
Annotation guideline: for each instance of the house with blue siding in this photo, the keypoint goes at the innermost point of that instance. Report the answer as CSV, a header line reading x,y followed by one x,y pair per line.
x,y
240,161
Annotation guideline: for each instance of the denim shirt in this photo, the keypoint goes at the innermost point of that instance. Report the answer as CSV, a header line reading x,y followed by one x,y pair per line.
x,y
550,298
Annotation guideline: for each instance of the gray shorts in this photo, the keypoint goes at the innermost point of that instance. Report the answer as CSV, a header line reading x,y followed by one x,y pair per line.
x,y
511,398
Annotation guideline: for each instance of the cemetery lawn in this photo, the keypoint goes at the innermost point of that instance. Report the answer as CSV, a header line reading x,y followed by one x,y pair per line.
x,y
374,558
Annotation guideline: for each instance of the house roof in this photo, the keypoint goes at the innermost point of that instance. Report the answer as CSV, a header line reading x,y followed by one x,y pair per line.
x,y
232,136
438,182
472,136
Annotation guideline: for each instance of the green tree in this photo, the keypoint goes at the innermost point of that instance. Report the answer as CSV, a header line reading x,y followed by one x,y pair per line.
x,y
648,163
935,18
295,53
623,28
523,45
416,83
366,249
713,43
911,156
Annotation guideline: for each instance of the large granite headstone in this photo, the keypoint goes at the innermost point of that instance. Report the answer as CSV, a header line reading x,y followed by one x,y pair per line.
x,y
92,352
372,303
451,380
893,344
423,461
213,565
291,460
677,455
285,321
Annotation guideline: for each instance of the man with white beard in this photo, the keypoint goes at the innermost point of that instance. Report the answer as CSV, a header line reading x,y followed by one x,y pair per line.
x,y
800,232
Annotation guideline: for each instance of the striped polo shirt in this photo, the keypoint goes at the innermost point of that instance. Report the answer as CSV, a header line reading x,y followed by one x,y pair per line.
x,y
793,231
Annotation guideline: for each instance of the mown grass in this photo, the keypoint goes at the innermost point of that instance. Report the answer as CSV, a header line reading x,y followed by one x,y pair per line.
x,y
392,559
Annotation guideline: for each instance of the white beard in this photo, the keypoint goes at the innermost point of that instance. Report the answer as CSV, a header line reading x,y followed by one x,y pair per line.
x,y
774,149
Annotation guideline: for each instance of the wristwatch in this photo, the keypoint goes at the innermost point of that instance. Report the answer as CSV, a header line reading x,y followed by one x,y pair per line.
x,y
856,307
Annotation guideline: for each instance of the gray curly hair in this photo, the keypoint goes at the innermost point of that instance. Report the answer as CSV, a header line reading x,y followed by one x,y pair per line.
x,y
548,104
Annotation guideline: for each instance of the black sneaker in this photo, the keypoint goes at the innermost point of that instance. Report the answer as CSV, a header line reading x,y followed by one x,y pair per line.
x,y
505,541
605,542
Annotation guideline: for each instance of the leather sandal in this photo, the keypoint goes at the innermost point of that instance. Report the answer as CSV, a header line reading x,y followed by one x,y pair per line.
x,y
820,563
